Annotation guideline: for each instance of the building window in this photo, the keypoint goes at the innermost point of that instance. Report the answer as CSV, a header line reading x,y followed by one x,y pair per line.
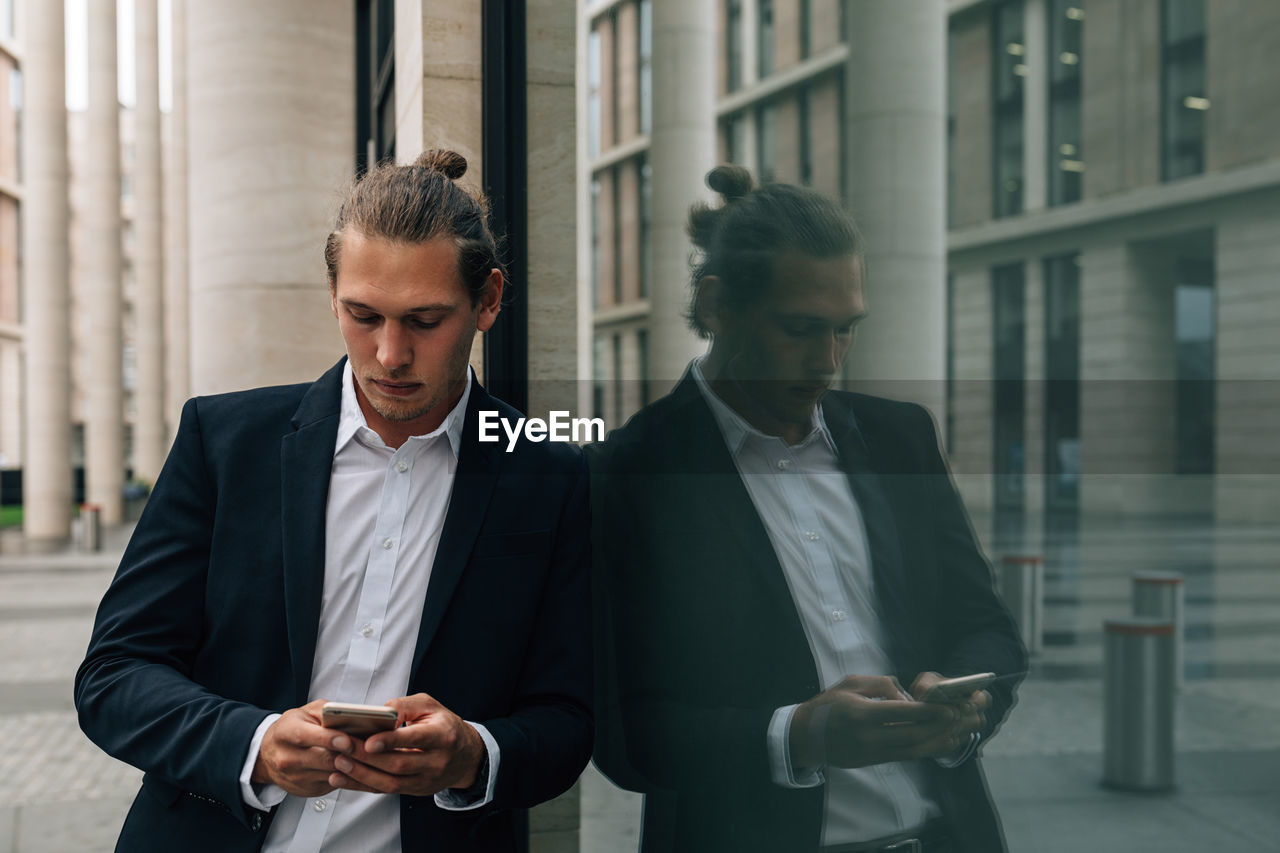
x,y
375,82
615,214
642,343
1196,339
646,66
595,243
617,379
952,76
733,44
735,139
806,25
1185,102
593,93
1010,68
597,377
646,227
1062,383
803,120
766,39
1009,326
949,389
1066,157
766,142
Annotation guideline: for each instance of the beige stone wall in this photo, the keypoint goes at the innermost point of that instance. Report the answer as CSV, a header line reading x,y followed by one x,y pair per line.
x,y
1248,456
786,33
973,395
787,152
824,25
605,271
825,134
1121,96
1241,42
628,201
973,110
627,53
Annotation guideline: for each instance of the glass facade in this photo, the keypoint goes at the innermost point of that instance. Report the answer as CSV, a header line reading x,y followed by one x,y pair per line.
x,y
1066,155
1009,70
1185,104
1009,345
1062,383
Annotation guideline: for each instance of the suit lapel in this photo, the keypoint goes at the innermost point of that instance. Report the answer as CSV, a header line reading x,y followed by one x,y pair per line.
x,y
861,467
473,486
724,500
306,458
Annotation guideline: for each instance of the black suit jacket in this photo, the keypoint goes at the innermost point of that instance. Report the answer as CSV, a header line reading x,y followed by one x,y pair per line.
x,y
705,639
211,621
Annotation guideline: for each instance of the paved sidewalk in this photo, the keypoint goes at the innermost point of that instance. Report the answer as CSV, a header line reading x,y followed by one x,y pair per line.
x,y
59,793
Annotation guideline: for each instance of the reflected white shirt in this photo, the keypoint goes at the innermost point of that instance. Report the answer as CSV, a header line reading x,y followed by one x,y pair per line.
x,y
808,509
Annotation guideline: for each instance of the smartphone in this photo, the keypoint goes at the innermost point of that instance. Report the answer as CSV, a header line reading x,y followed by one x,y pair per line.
x,y
357,720
950,691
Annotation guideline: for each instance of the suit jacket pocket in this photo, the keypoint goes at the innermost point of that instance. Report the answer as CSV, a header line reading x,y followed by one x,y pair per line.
x,y
513,544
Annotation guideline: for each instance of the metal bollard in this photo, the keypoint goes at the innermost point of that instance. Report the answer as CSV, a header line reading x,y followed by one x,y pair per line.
x,y
90,527
1022,587
1138,697
1161,595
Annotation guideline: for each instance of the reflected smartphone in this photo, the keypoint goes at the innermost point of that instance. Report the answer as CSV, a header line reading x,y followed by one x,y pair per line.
x,y
950,691
357,720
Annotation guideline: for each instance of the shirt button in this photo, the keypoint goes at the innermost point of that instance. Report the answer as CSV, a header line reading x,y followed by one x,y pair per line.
x,y
838,615
366,631
320,805
402,466
386,544
784,464
811,536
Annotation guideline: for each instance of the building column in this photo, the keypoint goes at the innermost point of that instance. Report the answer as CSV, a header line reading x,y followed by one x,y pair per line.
x,y
1035,106
271,142
1247,463
682,149
1127,397
46,474
895,160
103,298
177,296
150,438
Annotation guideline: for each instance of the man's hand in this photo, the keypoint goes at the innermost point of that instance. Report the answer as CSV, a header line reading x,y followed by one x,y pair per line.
x,y
433,749
970,714
867,720
297,752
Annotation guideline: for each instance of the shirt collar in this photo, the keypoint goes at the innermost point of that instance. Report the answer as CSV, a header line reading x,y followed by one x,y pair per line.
x,y
351,420
735,428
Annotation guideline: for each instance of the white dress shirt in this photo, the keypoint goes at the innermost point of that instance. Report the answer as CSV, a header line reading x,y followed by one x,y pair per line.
x,y
808,509
385,513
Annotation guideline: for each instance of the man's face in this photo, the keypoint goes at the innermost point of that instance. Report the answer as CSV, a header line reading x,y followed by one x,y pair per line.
x,y
408,323
785,348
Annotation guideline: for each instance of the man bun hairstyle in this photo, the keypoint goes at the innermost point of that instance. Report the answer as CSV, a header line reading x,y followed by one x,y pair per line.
x,y
419,203
739,241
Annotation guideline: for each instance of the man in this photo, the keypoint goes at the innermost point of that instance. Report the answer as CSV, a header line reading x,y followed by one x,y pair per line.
x,y
776,560
352,540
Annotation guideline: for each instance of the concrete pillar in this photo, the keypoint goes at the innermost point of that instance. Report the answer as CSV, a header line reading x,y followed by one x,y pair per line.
x,y
46,481
1034,402
552,221
682,148
1247,464
271,129
895,156
177,296
973,396
1127,402
103,298
1035,106
150,438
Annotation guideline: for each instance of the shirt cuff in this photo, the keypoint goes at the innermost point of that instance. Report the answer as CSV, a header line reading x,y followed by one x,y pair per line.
x,y
963,754
264,796
779,744
481,791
